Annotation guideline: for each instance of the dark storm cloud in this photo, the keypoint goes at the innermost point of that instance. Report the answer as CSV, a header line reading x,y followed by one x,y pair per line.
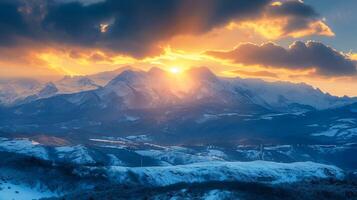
x,y
294,8
299,55
133,27
12,24
298,14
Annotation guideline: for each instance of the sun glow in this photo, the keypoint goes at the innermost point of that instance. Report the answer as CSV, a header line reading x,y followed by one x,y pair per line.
x,y
175,70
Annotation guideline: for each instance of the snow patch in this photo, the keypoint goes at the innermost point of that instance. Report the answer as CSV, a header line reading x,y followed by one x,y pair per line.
x,y
75,154
255,171
177,156
25,147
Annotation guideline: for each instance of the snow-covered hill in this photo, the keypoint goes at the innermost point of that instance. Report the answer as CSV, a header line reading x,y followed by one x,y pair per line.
x,y
24,146
131,165
255,171
129,152
69,154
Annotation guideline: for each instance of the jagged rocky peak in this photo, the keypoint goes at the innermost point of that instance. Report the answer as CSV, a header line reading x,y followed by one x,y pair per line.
x,y
49,89
126,76
86,81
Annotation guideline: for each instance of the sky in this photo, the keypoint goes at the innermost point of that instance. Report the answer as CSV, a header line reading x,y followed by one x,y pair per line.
x,y
311,41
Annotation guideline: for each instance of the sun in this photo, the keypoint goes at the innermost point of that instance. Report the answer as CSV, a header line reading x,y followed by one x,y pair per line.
x,y
175,70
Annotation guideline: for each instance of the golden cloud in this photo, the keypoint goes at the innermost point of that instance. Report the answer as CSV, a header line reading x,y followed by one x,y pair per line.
x,y
274,28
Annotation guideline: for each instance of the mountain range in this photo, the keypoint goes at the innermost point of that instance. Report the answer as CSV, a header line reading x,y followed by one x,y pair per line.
x,y
273,95
192,108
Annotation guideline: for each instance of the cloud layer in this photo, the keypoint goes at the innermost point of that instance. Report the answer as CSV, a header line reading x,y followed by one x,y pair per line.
x,y
299,56
136,27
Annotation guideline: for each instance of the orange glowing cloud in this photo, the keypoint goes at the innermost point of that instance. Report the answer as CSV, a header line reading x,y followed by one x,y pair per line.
x,y
22,62
81,61
275,23
353,56
274,28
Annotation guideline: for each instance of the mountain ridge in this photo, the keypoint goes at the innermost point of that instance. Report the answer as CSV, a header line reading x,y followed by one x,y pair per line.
x,y
191,107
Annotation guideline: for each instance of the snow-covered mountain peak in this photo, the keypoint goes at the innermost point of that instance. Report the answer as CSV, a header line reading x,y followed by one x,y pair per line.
x,y
85,81
75,84
49,90
103,78
157,87
128,76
